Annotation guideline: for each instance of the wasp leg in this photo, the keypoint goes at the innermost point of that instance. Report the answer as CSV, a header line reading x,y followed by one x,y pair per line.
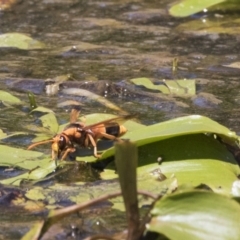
x,y
93,142
66,153
53,155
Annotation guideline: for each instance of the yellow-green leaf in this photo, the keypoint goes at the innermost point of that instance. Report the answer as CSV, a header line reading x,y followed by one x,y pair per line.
x,y
186,8
19,40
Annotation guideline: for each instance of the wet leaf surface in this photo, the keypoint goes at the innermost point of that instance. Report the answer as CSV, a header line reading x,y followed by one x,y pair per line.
x,y
199,213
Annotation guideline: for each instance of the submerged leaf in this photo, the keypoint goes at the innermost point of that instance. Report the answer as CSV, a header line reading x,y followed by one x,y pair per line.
x,y
93,96
19,40
196,215
207,27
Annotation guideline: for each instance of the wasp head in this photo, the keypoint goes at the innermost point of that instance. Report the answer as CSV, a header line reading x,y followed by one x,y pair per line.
x,y
59,145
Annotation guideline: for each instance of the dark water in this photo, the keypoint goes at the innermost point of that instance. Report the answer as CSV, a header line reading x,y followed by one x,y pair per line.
x,y
129,39
114,41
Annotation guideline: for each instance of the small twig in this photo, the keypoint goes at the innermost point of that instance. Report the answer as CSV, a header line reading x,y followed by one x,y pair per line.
x,y
147,194
57,215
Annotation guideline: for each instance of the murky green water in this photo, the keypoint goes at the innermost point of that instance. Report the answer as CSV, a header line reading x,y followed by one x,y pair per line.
x,y
114,41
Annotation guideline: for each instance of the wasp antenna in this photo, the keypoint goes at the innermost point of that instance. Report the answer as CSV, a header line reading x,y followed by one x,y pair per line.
x,y
39,143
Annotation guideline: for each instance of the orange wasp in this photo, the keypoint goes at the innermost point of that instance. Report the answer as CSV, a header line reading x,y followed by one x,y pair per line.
x,y
84,136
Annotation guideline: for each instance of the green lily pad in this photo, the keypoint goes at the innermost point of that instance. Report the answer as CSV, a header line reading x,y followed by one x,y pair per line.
x,y
196,215
186,8
19,40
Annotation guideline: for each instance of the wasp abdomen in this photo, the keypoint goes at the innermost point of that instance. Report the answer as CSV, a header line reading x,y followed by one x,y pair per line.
x,y
113,130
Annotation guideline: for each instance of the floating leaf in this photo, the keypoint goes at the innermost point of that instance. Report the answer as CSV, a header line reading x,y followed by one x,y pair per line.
x,y
148,84
196,215
176,127
193,156
42,109
33,161
177,87
181,87
38,169
19,40
10,156
49,121
196,159
186,8
9,98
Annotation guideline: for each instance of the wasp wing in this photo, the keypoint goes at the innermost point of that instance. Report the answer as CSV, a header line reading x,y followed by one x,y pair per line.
x,y
74,114
109,122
